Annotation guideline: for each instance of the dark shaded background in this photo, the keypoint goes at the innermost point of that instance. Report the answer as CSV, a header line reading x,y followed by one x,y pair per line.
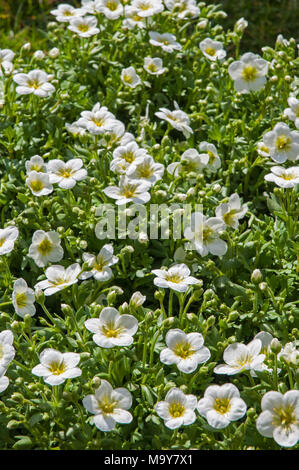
x,y
267,18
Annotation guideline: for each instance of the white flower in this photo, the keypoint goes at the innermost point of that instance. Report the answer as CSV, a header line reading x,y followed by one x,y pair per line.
x,y
36,82
230,212
293,111
23,298
112,329
56,367
4,382
203,234
266,339
283,144
262,150
59,278
8,237
45,248
132,18
153,65
109,406
65,12
6,57
177,409
97,121
191,161
249,73
221,405
284,177
129,191
66,174
240,357
54,52
177,118
7,351
124,155
210,158
279,417
183,8
137,299
213,50
85,26
167,41
112,9
99,264
75,128
39,55
289,354
241,25
184,350
146,8
146,169
130,77
36,163
177,278
39,183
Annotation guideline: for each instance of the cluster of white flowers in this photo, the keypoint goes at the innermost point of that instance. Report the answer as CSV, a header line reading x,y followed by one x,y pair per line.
x,y
42,176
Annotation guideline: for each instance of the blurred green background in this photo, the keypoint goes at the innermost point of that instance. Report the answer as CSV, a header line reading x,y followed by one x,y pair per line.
x,y
25,20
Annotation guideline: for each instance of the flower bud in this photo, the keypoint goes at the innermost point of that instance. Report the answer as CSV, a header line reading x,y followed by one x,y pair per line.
x,y
39,55
137,300
124,308
96,382
275,346
143,238
159,295
263,286
53,53
256,276
39,296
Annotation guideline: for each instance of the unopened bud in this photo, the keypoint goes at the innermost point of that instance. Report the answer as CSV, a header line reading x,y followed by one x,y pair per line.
x,y
256,276
275,346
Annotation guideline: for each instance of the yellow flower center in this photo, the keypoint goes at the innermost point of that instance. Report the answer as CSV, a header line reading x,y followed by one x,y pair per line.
x,y
249,73
145,171
212,157
68,13
128,156
36,167
107,406
207,233
183,350
210,51
137,18
110,331
112,5
282,142
152,67
36,185
33,84
176,410
284,416
45,247
58,282
288,177
229,217
65,172
98,122
176,278
2,241
57,368
100,264
1,351
21,299
83,27
222,405
242,361
129,191
127,78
